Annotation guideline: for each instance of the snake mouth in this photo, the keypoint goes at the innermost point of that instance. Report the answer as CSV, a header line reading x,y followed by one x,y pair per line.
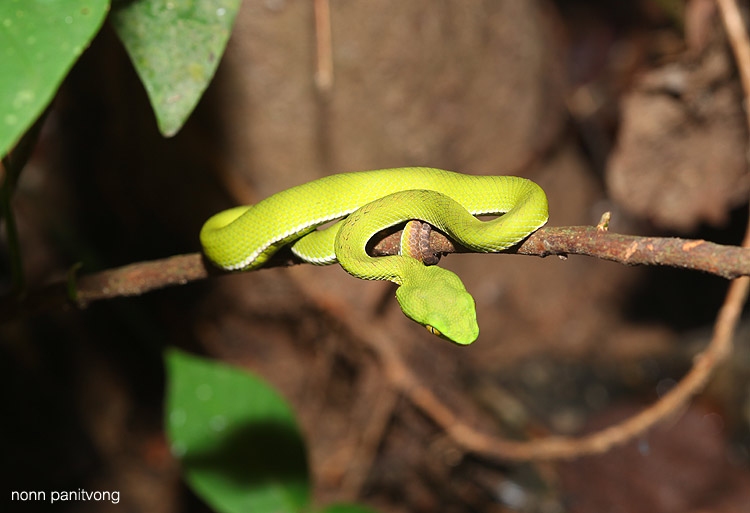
x,y
440,334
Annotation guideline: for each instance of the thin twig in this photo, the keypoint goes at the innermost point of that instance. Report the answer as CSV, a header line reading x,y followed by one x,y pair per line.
x,y
324,52
740,43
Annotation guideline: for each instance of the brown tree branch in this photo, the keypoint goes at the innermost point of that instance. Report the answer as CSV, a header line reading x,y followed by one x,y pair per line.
x,y
697,255
139,278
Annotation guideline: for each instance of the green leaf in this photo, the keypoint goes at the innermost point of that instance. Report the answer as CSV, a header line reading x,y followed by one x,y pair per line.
x,y
39,42
239,445
175,46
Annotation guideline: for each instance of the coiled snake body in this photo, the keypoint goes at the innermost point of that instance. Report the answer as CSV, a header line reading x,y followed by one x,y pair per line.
x,y
244,238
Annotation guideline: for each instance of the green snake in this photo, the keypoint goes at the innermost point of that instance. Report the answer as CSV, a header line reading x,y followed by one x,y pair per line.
x,y
245,237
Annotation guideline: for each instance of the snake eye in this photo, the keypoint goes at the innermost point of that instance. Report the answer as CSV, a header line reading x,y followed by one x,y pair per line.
x,y
433,330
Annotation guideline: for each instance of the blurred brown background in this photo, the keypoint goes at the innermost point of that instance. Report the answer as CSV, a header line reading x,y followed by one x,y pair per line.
x,y
629,107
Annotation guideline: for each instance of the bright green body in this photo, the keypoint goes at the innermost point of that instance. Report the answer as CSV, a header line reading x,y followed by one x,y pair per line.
x,y
243,238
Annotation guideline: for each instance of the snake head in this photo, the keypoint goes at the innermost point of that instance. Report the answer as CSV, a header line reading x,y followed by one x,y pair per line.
x,y
438,300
